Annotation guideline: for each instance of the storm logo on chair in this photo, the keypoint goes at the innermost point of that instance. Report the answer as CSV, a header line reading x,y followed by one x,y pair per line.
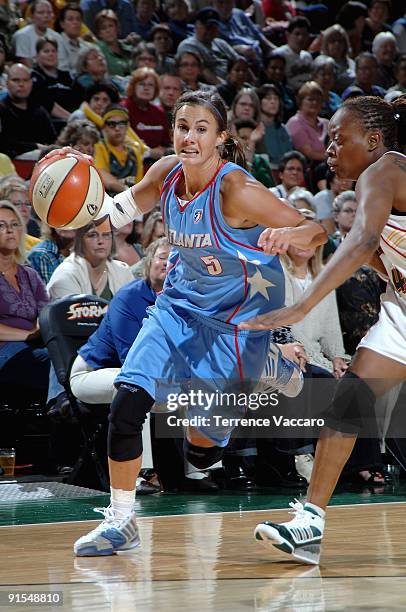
x,y
86,310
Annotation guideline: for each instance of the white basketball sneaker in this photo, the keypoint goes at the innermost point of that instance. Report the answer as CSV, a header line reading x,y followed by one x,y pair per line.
x,y
112,535
301,537
281,374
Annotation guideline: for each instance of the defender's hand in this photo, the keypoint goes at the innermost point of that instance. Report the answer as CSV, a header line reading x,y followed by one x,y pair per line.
x,y
277,318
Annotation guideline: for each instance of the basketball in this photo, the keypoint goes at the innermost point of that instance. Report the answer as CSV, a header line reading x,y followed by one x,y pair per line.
x,y
66,190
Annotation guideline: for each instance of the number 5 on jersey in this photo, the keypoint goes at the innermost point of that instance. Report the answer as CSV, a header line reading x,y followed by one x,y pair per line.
x,y
212,264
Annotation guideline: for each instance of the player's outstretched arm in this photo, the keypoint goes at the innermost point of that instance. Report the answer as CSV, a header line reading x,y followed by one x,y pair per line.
x,y
375,192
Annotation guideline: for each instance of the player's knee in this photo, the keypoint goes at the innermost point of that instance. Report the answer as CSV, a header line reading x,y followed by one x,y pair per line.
x,y
352,408
202,457
128,412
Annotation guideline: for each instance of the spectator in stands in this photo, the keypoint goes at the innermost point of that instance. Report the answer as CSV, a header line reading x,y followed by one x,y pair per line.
x,y
122,8
336,44
292,169
161,37
8,22
22,296
344,208
246,105
46,256
52,87
3,58
351,17
144,56
276,141
249,134
400,74
97,98
303,200
80,134
399,30
23,125
70,21
385,49
215,52
275,73
298,60
378,14
170,88
90,268
91,68
238,76
240,32
146,119
16,192
7,167
24,40
324,199
306,128
366,74
179,20
116,52
128,249
145,17
120,163
325,74
190,68
152,230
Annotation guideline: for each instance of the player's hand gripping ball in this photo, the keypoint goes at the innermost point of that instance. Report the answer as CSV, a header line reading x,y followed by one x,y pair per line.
x,y
66,190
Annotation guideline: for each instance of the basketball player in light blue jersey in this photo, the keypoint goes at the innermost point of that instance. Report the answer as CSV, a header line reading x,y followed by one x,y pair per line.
x,y
221,272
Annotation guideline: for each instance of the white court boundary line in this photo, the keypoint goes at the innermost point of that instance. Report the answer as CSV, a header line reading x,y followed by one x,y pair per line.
x,y
139,518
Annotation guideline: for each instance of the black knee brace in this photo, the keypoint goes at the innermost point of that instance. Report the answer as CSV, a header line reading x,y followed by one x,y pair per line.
x,y
128,412
200,457
352,408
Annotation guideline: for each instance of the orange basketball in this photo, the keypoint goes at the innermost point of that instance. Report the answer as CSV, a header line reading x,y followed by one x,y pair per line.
x,y
66,190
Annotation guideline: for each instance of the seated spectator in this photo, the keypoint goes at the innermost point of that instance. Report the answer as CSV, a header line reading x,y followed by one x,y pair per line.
x,y
22,296
274,72
9,22
120,163
70,22
16,192
97,98
336,44
91,68
249,133
144,56
190,67
344,208
323,200
24,126
123,9
25,39
306,128
325,74
170,88
378,13
215,52
116,52
298,60
128,249
46,256
246,105
161,37
276,141
81,135
385,49
152,230
100,359
178,20
3,59
236,28
292,169
399,30
52,88
237,77
400,75
90,268
147,120
366,74
303,200
145,17
351,17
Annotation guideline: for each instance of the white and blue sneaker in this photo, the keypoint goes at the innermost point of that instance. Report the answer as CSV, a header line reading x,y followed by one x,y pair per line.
x,y
112,535
301,537
281,374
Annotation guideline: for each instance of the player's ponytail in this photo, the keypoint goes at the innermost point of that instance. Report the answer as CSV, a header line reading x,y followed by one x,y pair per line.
x,y
399,111
233,151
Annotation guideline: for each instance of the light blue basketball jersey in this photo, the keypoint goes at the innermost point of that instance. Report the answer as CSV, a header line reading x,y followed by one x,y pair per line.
x,y
214,269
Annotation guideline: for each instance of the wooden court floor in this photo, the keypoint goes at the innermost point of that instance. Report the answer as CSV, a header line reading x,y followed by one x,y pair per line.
x,y
210,562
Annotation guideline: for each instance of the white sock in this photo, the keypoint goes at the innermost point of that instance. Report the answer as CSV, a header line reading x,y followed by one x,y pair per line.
x,y
122,501
319,511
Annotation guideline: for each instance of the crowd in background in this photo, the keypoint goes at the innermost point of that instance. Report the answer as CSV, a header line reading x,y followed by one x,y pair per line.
x,y
103,77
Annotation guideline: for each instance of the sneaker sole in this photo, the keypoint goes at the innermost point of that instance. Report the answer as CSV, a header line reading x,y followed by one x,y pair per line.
x,y
269,536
